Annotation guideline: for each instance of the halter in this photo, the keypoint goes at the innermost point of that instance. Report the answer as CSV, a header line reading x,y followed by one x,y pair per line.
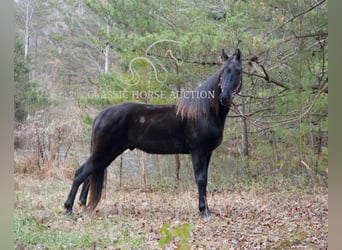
x,y
235,91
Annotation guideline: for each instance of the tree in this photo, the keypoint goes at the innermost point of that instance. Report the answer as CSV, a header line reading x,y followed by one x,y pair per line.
x,y
29,96
105,47
21,76
285,50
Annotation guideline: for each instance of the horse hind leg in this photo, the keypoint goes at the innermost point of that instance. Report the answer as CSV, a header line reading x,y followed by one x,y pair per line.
x,y
81,175
76,183
91,174
84,193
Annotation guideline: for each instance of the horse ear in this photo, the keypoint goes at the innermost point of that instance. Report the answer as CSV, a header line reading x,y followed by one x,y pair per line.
x,y
224,56
238,54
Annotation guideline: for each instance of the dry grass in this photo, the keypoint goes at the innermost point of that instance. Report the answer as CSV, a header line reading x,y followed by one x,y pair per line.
x,y
244,218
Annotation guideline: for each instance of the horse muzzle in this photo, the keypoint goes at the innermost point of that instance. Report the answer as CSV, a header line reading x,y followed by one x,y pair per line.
x,y
226,97
225,100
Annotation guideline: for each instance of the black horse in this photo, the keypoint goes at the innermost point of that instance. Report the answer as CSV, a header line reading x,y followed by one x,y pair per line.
x,y
194,125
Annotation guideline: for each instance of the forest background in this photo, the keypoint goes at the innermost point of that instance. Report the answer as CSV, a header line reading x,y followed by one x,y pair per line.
x,y
73,58
80,57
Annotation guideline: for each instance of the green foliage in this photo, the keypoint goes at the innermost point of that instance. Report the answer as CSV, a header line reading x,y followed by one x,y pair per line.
x,y
125,15
180,234
294,239
290,44
162,47
29,96
87,119
21,67
35,234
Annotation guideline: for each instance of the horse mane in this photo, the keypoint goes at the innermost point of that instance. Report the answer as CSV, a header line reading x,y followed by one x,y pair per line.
x,y
199,102
193,107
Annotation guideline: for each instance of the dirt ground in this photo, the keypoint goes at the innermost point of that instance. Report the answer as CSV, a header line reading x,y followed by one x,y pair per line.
x,y
244,218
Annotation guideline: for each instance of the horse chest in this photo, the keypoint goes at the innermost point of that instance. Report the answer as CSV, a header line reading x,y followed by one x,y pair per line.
x,y
206,137
213,139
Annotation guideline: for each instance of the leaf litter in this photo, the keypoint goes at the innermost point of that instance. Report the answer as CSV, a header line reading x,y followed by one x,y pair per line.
x,y
132,218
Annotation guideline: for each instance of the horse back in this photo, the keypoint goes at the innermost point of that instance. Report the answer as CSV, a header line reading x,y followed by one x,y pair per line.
x,y
151,128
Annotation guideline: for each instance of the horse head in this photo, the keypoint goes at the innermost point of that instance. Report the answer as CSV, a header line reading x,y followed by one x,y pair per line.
x,y
230,78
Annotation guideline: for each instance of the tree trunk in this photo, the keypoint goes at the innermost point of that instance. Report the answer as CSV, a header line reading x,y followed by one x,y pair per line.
x,y
28,16
156,163
178,165
318,145
143,168
177,159
120,171
245,151
107,52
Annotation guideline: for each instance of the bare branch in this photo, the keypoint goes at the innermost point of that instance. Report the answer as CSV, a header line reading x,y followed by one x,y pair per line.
x,y
262,98
185,61
304,12
269,124
296,16
239,115
267,79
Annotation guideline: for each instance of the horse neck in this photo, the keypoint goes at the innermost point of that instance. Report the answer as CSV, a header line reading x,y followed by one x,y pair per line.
x,y
223,112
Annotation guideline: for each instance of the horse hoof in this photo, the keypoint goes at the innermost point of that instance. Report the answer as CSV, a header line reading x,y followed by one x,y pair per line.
x,y
68,212
206,213
82,203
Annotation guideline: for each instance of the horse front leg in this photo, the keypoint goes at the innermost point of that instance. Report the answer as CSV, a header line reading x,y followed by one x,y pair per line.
x,y
200,162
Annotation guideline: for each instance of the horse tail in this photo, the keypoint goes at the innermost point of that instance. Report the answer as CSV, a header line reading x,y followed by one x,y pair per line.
x,y
97,179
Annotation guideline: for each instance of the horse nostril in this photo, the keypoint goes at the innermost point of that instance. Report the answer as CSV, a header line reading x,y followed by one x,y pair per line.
x,y
223,98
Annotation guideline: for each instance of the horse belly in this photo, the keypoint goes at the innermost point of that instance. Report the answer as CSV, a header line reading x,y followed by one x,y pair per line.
x,y
160,140
163,148
157,130
161,145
